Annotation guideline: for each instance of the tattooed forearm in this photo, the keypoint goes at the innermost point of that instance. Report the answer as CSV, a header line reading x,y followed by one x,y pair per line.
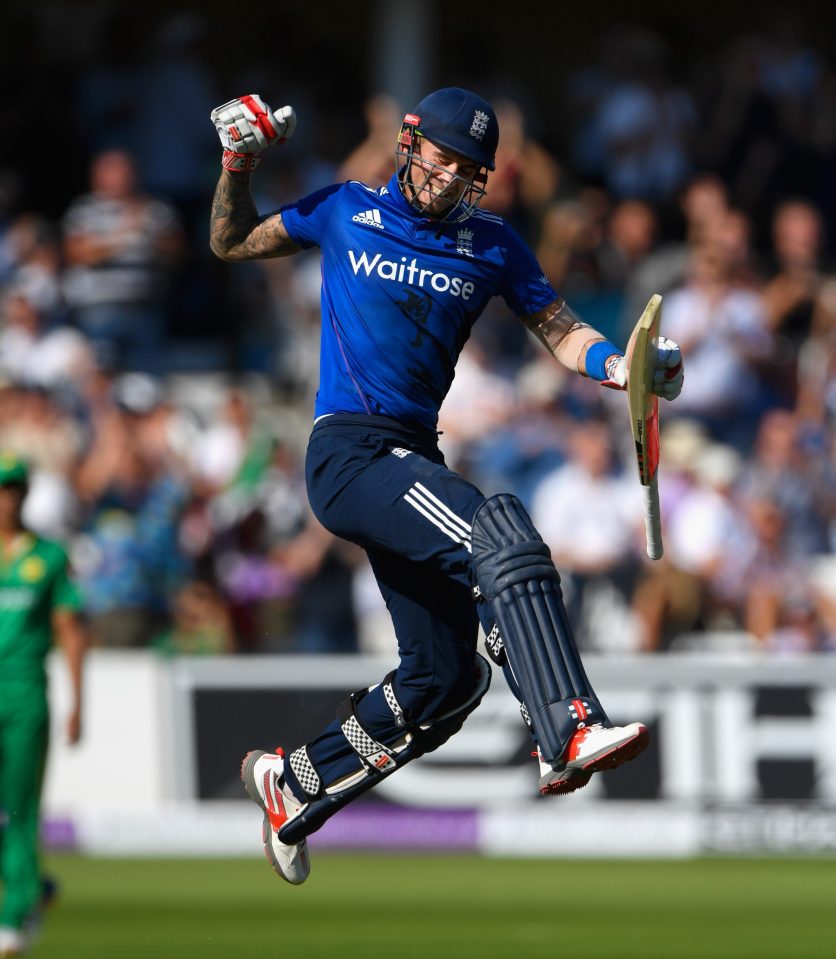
x,y
234,215
236,231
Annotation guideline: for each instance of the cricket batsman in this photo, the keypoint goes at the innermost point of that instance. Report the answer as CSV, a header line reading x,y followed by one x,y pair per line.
x,y
38,603
406,271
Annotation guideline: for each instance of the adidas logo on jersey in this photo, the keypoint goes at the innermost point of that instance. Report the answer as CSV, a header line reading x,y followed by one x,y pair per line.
x,y
369,218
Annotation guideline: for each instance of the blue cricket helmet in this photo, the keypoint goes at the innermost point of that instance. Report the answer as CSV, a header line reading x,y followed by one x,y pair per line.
x,y
459,120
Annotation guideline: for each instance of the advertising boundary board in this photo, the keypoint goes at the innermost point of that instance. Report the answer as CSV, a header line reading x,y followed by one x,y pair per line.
x,y
743,760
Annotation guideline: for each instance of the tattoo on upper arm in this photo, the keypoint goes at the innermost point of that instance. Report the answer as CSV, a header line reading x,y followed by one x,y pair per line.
x,y
236,230
268,238
563,334
553,324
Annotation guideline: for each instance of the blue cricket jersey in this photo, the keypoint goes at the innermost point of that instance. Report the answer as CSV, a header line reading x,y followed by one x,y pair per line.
x,y
400,293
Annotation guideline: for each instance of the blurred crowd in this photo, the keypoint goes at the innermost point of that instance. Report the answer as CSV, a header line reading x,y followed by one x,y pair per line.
x,y
163,400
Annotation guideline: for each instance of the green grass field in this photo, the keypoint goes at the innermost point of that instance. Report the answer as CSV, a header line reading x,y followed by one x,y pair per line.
x,y
435,907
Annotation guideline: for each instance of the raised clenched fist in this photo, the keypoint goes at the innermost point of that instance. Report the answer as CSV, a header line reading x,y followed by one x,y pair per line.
x,y
246,125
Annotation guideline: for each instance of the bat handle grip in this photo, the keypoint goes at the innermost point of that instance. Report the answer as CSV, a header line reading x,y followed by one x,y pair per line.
x,y
653,519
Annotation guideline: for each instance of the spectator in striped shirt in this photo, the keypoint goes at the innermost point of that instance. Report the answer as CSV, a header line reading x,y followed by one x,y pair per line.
x,y
120,247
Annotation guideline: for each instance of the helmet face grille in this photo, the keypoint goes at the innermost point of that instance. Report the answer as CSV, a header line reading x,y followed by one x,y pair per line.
x,y
416,174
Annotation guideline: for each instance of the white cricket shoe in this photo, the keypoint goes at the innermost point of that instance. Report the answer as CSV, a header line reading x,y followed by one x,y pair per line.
x,y
13,942
261,773
592,749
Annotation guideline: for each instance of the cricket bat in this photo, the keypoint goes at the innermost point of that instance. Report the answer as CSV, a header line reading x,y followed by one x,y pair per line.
x,y
644,416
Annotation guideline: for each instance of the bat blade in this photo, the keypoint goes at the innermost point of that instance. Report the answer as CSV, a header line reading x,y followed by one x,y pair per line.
x,y
644,415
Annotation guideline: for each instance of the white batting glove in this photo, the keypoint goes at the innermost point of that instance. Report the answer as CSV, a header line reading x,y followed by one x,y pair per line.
x,y
616,368
246,126
667,377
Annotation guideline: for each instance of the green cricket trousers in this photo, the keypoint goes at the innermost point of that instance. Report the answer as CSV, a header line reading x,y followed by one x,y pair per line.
x,y
24,734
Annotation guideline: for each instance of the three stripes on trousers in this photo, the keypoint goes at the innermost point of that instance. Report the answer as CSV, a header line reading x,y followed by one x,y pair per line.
x,y
439,514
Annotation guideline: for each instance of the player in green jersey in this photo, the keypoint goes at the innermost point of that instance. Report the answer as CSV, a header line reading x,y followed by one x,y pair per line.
x,y
38,604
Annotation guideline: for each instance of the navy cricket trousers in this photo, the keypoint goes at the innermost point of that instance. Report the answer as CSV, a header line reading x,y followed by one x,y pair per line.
x,y
385,487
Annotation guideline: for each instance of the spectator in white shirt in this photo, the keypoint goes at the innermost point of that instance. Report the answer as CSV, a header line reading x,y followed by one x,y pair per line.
x,y
591,517
722,330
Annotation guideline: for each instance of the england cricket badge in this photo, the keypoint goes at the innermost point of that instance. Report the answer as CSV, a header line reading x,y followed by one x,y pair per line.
x,y
464,242
479,126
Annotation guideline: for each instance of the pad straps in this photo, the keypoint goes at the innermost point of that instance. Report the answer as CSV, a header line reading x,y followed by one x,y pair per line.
x,y
305,772
376,757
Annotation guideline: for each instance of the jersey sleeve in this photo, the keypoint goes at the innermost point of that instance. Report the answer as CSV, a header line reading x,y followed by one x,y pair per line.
x,y
523,286
307,219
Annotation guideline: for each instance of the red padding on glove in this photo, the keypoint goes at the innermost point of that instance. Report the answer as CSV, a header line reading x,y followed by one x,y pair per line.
x,y
266,127
262,118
